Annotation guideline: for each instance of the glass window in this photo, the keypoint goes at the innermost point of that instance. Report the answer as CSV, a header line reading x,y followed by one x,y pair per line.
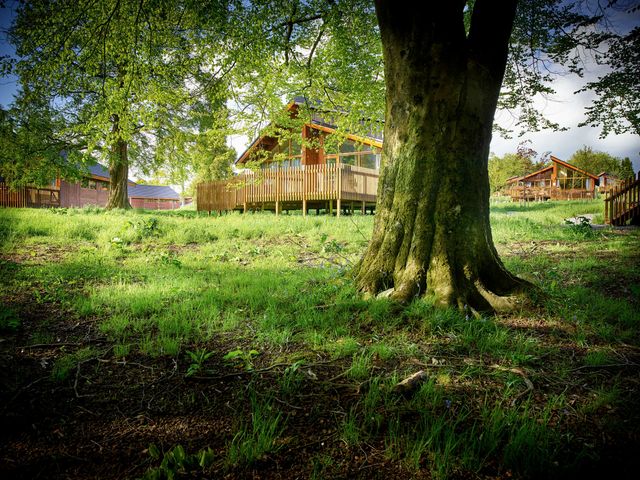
x,y
348,159
285,164
331,160
369,160
348,146
295,162
296,146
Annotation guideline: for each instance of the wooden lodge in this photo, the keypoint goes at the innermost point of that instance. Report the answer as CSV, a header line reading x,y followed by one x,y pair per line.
x,y
317,172
558,181
92,190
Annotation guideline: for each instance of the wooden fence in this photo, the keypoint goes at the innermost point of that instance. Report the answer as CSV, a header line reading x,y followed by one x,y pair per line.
x,y
28,197
622,203
307,183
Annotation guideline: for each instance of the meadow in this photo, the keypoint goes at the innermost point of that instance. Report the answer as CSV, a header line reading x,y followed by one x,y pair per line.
x,y
137,344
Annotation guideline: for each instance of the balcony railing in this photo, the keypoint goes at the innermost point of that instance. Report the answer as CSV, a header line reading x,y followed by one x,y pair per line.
x,y
301,184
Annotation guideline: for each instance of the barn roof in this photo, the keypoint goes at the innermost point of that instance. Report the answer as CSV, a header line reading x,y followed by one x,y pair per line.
x,y
153,191
135,190
98,170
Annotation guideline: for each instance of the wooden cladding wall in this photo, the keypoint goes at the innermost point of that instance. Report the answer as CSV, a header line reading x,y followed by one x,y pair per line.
x,y
154,203
310,182
28,197
75,195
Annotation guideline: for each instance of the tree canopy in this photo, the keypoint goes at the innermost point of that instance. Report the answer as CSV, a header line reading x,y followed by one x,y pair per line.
x,y
115,76
596,162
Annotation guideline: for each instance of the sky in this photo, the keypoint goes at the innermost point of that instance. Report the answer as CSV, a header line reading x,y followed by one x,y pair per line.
x,y
565,108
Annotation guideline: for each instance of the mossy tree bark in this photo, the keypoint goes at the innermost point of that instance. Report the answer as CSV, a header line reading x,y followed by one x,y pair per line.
x,y
118,171
432,233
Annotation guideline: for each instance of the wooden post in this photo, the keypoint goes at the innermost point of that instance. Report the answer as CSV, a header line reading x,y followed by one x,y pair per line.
x,y
304,207
338,206
330,207
364,208
339,185
277,179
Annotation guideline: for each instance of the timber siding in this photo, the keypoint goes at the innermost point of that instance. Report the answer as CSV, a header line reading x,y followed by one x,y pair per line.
x,y
93,190
340,175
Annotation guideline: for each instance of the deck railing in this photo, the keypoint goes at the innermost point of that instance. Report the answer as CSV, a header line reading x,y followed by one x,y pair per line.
x,y
623,202
522,193
25,197
301,184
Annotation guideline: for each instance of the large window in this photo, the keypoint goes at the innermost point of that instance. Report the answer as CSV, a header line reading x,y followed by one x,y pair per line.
x,y
356,154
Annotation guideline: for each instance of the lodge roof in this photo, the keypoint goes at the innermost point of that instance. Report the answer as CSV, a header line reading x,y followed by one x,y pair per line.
x,y
559,162
572,167
317,122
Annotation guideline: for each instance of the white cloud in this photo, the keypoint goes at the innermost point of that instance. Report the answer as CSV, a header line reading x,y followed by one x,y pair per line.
x,y
567,109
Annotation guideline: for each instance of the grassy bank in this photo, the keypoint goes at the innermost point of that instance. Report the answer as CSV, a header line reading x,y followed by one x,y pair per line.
x,y
237,344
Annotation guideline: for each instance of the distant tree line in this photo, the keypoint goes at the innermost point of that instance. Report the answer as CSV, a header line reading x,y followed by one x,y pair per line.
x,y
526,160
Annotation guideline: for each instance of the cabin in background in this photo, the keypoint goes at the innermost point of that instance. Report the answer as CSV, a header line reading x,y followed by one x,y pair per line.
x,y
316,172
93,189
606,181
558,181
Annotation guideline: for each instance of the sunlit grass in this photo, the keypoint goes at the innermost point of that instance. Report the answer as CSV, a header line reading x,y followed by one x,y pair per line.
x,y
158,284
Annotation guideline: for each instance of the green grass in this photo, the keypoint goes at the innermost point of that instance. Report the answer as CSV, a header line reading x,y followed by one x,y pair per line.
x,y
177,285
257,438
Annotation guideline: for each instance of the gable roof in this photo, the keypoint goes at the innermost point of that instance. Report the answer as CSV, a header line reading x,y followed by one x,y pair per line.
x,y
98,170
153,191
572,167
559,162
542,170
317,122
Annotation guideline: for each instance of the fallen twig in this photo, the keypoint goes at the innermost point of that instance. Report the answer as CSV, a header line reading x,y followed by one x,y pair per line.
x,y
609,365
517,371
411,383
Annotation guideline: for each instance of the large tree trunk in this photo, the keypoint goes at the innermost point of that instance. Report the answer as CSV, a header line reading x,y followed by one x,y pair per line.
x,y
118,171
432,234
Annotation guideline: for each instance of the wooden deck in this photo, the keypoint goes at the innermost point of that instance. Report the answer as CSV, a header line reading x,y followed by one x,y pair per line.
x,y
532,194
293,188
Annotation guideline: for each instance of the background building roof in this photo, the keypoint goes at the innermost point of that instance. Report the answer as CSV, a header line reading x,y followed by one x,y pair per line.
x,y
153,191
